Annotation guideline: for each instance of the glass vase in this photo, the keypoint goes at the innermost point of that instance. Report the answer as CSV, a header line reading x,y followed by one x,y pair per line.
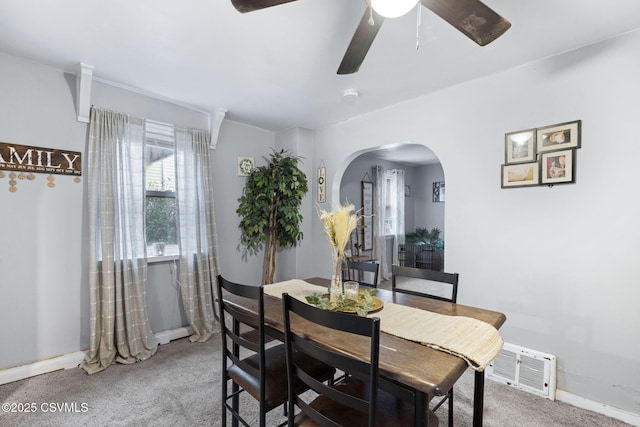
x,y
336,289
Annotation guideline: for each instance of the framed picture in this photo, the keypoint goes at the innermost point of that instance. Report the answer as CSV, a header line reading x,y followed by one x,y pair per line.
x,y
520,175
407,191
367,215
245,166
438,191
520,146
558,167
559,137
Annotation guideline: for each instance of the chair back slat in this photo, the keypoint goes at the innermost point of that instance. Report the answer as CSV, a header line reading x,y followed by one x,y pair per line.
x,y
357,271
426,275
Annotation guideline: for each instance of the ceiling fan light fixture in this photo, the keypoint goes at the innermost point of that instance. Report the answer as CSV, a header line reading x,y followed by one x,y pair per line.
x,y
393,8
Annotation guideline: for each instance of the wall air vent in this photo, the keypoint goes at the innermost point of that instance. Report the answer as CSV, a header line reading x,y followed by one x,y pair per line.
x,y
525,369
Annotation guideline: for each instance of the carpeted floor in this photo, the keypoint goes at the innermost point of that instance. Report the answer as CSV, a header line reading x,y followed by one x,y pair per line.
x,y
180,386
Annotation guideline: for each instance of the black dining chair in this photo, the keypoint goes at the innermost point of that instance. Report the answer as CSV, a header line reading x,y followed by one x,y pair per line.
x,y
247,363
357,399
431,284
357,271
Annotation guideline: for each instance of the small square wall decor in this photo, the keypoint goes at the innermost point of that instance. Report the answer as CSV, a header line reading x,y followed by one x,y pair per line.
x,y
245,166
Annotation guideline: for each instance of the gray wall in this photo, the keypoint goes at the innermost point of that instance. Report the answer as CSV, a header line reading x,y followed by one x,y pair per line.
x,y
428,214
163,296
43,284
236,140
291,262
561,262
43,307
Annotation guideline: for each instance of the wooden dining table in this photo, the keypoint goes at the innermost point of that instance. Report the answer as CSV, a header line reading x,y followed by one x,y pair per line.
x,y
426,371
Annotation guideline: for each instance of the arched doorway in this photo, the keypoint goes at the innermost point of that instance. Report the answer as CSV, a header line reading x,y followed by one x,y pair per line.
x,y
422,169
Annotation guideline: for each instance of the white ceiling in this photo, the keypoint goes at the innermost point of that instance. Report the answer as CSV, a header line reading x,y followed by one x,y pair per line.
x,y
276,68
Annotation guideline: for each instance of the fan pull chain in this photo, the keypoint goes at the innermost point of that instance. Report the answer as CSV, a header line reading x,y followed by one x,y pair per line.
x,y
418,23
371,22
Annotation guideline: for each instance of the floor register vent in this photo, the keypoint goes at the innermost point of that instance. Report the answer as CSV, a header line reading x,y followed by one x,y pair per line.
x,y
525,369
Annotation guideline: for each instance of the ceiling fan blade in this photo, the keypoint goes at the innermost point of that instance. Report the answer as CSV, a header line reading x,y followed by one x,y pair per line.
x,y
245,6
360,42
472,17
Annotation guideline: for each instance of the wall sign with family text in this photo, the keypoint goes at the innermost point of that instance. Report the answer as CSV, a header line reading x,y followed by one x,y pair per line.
x,y
22,161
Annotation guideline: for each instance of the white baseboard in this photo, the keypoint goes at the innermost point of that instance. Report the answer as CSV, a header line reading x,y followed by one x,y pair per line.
x,y
165,337
65,361
73,360
600,408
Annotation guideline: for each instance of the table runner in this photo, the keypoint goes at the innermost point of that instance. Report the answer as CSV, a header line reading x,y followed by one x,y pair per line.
x,y
475,341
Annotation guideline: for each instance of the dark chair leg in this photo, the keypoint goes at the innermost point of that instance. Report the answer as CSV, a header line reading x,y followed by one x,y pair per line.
x,y
224,401
235,403
451,407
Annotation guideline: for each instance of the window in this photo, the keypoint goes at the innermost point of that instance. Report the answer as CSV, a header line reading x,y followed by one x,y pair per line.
x,y
160,190
393,202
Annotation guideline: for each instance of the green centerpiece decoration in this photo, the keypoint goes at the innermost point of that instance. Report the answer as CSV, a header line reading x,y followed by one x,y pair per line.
x,y
361,307
338,226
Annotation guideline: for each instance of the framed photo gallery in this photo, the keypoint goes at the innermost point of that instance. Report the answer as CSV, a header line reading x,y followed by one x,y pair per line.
x,y
541,156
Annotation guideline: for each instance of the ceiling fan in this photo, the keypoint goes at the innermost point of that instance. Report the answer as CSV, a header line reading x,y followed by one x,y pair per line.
x,y
471,17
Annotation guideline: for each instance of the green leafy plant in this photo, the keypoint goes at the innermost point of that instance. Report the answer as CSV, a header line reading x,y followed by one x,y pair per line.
x,y
424,236
362,307
269,209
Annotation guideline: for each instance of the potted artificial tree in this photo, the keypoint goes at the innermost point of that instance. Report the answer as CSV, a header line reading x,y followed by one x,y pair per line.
x,y
270,209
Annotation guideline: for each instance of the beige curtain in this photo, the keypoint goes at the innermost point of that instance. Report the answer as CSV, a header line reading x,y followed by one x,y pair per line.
x,y
119,326
196,230
388,217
